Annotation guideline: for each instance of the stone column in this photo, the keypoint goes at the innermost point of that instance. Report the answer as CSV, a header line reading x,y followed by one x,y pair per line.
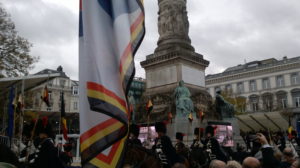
x,y
173,25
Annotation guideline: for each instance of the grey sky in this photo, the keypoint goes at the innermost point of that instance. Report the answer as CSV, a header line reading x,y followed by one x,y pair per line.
x,y
226,32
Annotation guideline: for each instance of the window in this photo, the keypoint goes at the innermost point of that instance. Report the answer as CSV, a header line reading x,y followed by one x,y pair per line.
x,y
228,87
240,87
294,78
75,105
279,81
254,103
50,95
267,101
217,88
62,83
75,90
296,97
252,86
297,101
266,83
281,99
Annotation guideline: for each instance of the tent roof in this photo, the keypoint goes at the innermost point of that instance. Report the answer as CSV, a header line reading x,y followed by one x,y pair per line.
x,y
30,81
272,121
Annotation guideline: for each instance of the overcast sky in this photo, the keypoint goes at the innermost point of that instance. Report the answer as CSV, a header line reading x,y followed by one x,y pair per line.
x,y
226,32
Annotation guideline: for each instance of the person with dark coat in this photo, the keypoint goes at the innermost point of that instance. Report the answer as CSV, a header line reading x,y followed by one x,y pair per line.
x,y
197,155
163,147
8,156
180,147
212,146
134,132
46,154
268,158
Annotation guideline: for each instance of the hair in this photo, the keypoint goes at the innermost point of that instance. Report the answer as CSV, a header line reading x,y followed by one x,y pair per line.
x,y
233,164
216,164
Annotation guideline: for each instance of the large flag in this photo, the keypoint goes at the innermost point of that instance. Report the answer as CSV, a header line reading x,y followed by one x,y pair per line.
x,y
10,127
110,33
63,117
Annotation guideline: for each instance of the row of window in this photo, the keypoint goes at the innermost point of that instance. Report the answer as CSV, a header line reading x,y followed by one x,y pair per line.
x,y
268,104
280,82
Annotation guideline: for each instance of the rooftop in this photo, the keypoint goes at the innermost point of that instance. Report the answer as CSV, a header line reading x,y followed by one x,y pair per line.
x,y
254,65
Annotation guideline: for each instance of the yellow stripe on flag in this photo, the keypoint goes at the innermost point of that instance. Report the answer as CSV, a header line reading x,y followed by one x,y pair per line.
x,y
99,135
104,97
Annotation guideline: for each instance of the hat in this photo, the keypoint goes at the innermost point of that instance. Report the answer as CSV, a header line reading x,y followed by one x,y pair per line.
x,y
160,127
134,129
179,136
210,129
44,127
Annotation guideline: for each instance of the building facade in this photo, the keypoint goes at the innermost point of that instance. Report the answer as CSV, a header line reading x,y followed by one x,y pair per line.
x,y
269,85
56,86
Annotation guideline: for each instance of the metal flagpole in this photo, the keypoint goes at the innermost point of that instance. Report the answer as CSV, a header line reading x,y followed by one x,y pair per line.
x,y
21,115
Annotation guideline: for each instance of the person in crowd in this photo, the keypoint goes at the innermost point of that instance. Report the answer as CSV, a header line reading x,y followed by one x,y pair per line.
x,y
288,158
240,154
197,154
217,164
46,154
163,147
296,164
8,157
281,141
134,132
212,146
251,162
180,147
233,164
268,158
66,156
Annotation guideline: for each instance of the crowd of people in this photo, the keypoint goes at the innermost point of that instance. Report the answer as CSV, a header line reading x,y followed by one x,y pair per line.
x,y
39,149
261,150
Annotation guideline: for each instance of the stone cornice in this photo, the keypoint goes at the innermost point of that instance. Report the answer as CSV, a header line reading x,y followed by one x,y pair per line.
x,y
251,73
195,58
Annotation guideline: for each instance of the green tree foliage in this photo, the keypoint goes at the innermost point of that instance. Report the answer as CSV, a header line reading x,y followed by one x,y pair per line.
x,y
14,50
237,101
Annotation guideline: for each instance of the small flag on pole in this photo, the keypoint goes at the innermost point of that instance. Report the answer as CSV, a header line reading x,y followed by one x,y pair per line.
x,y
149,107
63,117
201,115
45,96
190,117
170,117
290,129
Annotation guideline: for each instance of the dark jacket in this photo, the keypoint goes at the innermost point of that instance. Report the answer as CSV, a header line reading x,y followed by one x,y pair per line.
x,y
46,156
168,150
215,149
269,161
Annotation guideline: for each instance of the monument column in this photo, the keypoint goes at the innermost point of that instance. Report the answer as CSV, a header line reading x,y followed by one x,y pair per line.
x,y
174,58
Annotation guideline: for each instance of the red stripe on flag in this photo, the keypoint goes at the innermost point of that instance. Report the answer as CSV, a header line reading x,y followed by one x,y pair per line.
x,y
101,88
125,56
97,128
136,22
111,154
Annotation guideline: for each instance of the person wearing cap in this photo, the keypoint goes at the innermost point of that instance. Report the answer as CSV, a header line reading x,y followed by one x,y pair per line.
x,y
163,147
46,154
197,155
212,146
134,132
180,147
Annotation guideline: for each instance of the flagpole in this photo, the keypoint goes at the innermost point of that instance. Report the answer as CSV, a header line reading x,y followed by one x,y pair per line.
x,y
21,115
